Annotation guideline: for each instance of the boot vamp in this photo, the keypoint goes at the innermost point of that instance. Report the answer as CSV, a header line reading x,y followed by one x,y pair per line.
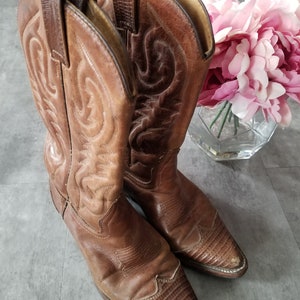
x,y
127,258
186,218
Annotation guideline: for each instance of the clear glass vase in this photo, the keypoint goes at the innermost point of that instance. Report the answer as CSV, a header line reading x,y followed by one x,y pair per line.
x,y
223,136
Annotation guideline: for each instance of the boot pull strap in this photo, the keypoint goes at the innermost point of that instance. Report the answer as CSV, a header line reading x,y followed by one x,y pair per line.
x,y
126,14
53,16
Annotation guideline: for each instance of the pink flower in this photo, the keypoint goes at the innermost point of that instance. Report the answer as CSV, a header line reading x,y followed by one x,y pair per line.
x,y
256,65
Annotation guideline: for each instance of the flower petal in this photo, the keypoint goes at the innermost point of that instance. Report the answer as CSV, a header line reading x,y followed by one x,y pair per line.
x,y
285,112
275,90
226,91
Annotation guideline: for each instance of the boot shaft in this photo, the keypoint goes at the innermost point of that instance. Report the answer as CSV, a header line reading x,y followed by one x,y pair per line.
x,y
45,77
83,88
170,63
170,44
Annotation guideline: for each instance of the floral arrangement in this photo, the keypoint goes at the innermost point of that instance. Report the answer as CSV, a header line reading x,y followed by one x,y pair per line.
x,y
256,65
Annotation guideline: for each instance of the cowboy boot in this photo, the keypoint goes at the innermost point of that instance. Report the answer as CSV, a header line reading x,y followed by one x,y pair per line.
x,y
170,44
83,89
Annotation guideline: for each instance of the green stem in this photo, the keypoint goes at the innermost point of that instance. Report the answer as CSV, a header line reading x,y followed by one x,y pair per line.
x,y
236,124
230,116
224,120
218,115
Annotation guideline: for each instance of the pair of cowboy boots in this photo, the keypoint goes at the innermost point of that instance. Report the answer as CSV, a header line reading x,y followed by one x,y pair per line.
x,y
116,83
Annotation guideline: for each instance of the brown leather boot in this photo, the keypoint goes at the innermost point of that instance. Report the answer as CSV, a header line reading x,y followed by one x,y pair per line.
x,y
170,44
82,86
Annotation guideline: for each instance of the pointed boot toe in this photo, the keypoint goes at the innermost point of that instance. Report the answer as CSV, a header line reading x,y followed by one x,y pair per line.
x,y
217,253
185,217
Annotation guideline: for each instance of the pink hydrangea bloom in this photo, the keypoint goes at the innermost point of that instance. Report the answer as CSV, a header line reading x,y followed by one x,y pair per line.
x,y
256,65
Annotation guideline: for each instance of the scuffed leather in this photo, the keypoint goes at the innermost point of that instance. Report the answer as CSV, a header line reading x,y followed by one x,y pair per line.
x,y
87,108
170,54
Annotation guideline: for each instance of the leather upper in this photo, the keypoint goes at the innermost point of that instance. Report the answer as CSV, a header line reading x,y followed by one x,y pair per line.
x,y
170,64
87,107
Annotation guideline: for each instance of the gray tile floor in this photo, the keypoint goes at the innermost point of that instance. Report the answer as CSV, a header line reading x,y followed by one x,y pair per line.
x,y
258,199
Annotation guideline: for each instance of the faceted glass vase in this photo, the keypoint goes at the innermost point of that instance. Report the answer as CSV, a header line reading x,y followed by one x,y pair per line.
x,y
231,139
